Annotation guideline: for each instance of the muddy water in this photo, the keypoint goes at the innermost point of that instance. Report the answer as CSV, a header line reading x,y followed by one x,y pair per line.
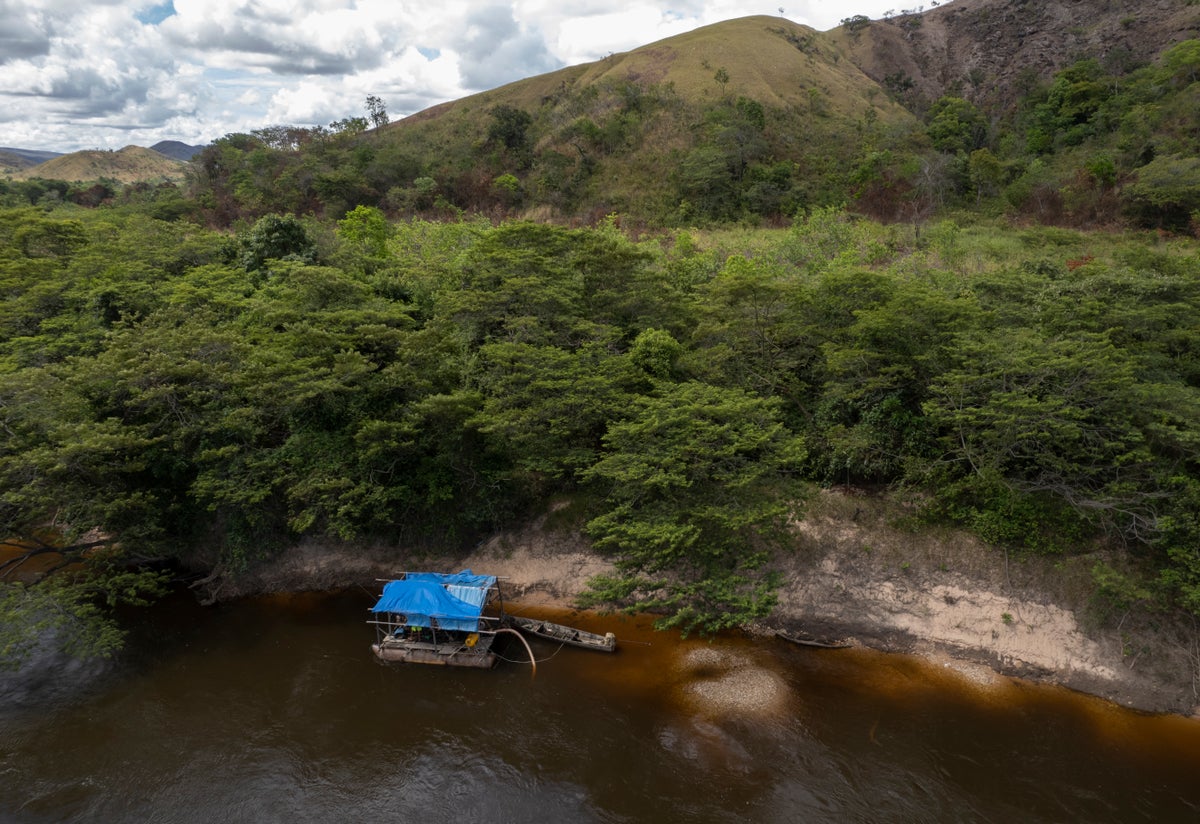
x,y
273,710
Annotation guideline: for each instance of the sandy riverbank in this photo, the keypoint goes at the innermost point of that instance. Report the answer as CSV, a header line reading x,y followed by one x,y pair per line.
x,y
855,577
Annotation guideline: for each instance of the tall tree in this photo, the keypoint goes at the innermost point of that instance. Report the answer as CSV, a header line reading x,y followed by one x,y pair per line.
x,y
377,111
698,489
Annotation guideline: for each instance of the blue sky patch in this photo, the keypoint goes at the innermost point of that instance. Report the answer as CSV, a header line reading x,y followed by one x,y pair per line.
x,y
155,15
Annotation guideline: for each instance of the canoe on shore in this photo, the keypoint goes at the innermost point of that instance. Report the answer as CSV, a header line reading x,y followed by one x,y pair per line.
x,y
563,634
810,642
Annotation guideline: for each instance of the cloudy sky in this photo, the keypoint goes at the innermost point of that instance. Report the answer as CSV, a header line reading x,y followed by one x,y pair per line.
x,y
102,74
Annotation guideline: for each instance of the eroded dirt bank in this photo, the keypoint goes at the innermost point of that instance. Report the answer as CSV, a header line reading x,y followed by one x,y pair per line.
x,y
855,577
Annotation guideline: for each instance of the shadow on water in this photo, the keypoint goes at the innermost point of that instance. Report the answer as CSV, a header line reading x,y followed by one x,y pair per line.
x,y
273,709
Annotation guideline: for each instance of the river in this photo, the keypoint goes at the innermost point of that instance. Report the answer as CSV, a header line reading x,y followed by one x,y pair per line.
x,y
272,709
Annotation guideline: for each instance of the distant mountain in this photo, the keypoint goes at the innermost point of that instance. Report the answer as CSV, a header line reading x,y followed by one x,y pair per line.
x,y
10,163
33,156
176,150
129,165
15,160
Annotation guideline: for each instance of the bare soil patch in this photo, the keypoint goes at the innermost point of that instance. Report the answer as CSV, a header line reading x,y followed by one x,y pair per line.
x,y
857,576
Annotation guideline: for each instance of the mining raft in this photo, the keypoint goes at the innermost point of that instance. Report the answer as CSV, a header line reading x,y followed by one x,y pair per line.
x,y
454,619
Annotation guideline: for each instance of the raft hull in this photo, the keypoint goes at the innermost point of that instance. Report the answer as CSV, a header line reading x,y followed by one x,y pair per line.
x,y
440,656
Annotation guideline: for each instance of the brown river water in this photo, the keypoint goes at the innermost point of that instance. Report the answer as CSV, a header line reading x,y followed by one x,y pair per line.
x,y
272,709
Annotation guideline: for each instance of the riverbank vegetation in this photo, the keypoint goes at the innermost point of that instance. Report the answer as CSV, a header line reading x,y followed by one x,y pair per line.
x,y
683,291
171,388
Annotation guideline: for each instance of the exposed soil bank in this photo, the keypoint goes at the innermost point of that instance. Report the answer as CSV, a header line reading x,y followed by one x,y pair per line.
x,y
854,577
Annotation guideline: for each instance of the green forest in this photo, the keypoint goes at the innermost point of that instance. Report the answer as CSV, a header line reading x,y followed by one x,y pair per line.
x,y
319,337
171,387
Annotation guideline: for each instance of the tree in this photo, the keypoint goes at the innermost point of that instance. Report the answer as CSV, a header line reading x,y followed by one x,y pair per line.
x,y
508,190
1067,115
956,126
510,127
349,125
749,331
1166,191
706,181
655,352
1183,61
986,172
697,492
855,24
376,111
70,607
519,286
1043,424
549,406
868,423
722,78
365,228
277,237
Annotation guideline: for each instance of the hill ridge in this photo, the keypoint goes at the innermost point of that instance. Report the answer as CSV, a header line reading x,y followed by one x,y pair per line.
x,y
130,164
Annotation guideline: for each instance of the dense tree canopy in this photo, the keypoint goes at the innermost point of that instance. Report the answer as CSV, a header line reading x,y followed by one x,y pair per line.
x,y
167,387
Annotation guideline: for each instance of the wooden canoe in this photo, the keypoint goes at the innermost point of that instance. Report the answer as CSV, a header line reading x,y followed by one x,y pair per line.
x,y
810,642
563,634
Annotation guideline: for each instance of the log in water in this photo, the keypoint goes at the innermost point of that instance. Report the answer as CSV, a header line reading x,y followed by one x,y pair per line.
x,y
273,709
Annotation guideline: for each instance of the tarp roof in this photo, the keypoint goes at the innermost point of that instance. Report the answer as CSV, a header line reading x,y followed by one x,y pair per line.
x,y
455,600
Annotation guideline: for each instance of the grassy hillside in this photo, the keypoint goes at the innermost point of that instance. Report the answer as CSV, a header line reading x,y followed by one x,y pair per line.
x,y
769,59
10,163
754,118
616,134
998,106
129,165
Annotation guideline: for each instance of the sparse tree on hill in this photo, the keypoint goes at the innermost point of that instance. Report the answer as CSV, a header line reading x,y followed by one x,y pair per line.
x,y
722,78
376,111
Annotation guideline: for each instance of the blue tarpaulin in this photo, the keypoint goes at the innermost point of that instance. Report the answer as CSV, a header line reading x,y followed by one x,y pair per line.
x,y
455,600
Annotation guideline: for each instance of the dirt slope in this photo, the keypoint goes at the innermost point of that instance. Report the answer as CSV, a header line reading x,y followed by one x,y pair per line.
x,y
987,50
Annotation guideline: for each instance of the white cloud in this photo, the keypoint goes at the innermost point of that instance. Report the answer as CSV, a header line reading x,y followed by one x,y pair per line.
x,y
584,39
95,75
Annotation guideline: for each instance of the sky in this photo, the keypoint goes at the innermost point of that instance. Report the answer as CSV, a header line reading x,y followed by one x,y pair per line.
x,y
104,74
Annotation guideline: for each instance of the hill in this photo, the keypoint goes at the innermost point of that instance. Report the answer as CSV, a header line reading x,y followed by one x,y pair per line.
x,y
994,105
761,116
744,115
10,162
129,165
14,160
994,51
176,150
768,59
